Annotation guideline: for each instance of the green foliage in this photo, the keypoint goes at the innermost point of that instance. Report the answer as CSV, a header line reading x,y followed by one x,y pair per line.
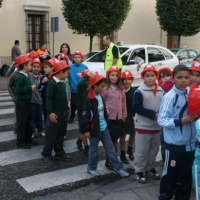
x,y
1,3
95,17
179,17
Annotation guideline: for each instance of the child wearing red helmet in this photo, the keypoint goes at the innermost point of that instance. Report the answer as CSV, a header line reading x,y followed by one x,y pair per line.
x,y
95,127
57,114
23,92
128,125
115,99
195,73
74,79
36,101
146,105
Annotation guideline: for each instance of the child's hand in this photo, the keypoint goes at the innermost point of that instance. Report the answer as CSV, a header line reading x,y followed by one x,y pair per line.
x,y
45,79
33,87
123,119
108,112
187,120
87,135
53,117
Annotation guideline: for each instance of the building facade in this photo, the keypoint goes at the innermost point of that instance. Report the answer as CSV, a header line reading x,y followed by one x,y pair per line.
x,y
29,21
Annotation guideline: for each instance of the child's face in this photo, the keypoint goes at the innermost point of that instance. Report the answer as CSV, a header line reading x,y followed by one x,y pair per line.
x,y
48,70
182,79
150,78
194,77
36,68
164,78
100,88
127,82
77,59
113,77
27,67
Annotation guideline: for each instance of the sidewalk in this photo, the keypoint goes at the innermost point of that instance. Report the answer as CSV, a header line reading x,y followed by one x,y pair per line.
x,y
3,82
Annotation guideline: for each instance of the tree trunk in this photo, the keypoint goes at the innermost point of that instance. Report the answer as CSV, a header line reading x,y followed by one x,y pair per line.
x,y
91,41
179,41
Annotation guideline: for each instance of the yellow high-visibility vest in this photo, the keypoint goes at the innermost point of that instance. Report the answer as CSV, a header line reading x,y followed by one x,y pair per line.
x,y
109,58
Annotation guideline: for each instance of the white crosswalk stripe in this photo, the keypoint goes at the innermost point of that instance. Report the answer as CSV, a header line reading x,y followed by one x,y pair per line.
x,y
40,181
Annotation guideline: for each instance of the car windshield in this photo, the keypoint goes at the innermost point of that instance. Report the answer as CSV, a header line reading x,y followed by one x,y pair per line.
x,y
90,54
174,51
100,57
198,57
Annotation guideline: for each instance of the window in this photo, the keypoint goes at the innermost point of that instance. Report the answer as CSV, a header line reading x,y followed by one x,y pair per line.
x,y
183,55
37,31
154,55
167,55
192,53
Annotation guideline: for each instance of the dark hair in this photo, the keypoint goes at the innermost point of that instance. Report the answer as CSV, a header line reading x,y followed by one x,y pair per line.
x,y
21,67
16,42
179,68
108,37
164,73
69,51
47,63
103,80
43,44
64,70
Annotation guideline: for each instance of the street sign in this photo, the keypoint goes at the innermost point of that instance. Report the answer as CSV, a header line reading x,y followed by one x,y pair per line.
x,y
54,24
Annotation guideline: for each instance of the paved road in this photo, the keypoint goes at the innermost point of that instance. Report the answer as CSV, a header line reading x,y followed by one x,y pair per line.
x,y
24,175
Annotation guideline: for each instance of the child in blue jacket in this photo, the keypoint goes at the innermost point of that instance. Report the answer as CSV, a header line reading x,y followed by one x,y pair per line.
x,y
179,137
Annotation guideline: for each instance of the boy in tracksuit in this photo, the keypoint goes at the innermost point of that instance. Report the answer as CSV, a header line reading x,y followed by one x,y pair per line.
x,y
57,114
74,79
179,137
146,104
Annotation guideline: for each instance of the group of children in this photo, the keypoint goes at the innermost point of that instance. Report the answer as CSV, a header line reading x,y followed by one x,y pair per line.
x,y
108,109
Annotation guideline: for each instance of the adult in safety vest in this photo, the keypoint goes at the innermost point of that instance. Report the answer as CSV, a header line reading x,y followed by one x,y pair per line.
x,y
113,57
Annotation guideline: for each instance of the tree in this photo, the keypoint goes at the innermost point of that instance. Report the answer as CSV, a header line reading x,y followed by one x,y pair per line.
x,y
95,17
179,17
1,3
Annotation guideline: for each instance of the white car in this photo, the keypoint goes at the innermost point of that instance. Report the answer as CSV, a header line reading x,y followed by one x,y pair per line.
x,y
158,56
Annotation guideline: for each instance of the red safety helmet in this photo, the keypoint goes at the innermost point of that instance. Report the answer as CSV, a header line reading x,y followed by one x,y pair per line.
x,y
59,66
22,59
147,68
194,101
63,56
113,69
33,55
52,62
94,78
127,74
37,60
77,53
160,71
195,66
83,73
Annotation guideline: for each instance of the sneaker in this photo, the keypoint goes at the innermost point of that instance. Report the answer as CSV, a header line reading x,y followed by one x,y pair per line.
x,y
94,173
64,157
124,159
122,173
48,159
79,144
42,133
152,174
139,176
130,154
109,166
24,146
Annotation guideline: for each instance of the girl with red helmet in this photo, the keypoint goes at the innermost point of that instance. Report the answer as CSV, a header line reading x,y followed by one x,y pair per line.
x,y
115,100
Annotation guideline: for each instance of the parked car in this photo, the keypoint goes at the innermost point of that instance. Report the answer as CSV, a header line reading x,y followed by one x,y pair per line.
x,y
197,58
157,55
90,54
185,55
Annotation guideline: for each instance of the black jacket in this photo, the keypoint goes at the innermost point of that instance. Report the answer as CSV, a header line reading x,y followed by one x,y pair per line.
x,y
90,116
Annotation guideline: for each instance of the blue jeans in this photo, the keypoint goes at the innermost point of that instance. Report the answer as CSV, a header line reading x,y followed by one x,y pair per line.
x,y
36,117
109,148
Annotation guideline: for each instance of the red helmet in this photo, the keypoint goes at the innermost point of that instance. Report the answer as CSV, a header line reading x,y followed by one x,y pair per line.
x,y
63,56
59,66
194,101
127,74
160,71
52,62
77,53
113,69
83,73
147,68
37,60
195,66
94,78
33,55
21,59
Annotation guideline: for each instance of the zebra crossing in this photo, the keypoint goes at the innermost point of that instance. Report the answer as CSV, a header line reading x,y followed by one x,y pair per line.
x,y
25,168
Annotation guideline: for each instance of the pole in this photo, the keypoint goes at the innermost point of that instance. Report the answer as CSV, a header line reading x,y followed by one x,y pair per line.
x,y
53,42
